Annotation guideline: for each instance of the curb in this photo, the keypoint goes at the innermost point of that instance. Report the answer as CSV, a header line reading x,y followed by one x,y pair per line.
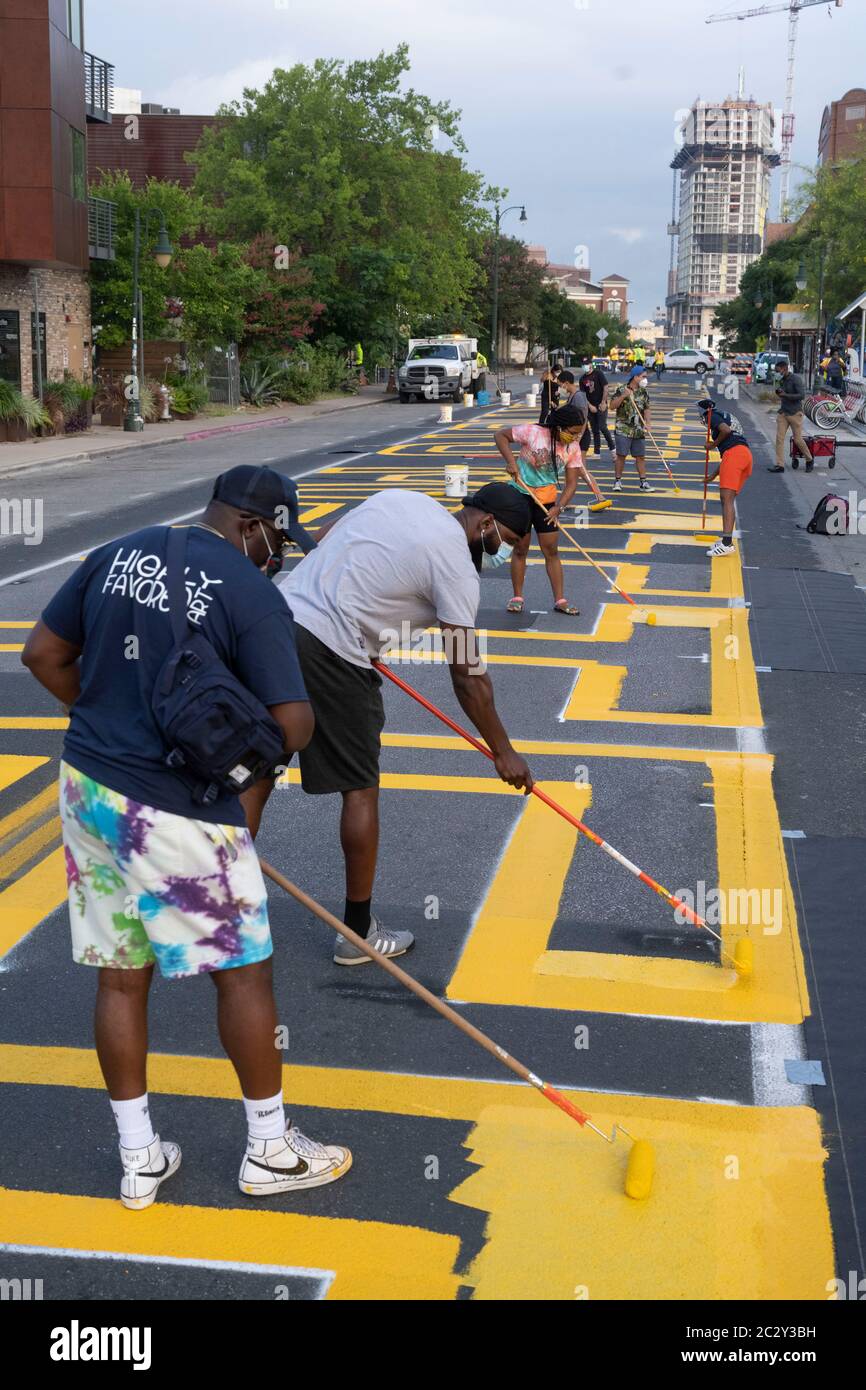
x,y
241,427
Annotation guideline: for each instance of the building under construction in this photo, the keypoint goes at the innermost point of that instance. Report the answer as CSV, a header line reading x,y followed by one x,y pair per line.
x,y
721,194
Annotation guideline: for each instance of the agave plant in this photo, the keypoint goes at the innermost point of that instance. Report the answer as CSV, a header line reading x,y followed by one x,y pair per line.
x,y
260,383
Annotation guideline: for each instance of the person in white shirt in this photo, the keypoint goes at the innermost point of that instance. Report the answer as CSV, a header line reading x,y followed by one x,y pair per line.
x,y
378,579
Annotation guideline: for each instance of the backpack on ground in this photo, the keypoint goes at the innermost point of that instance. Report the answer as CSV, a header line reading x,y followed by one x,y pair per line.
x,y
830,517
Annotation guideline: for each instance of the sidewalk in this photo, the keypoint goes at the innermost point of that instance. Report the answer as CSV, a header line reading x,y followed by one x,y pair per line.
x,y
806,489
104,439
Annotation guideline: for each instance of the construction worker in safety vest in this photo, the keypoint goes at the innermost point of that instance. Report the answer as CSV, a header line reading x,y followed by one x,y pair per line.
x,y
614,356
480,382
358,356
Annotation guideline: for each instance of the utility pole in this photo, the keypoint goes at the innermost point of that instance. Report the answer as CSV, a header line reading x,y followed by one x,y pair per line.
x,y
494,323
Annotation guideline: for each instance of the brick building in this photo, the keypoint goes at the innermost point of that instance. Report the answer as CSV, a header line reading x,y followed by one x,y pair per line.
x,y
609,295
50,90
842,127
151,143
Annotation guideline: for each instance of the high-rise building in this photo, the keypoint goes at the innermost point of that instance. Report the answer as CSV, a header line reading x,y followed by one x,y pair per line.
x,y
720,200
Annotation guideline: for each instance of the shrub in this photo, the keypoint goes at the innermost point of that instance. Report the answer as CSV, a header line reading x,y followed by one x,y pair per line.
x,y
261,382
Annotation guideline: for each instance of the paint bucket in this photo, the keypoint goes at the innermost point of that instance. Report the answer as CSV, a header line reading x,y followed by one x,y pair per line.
x,y
483,398
505,397
445,413
532,399
468,398
456,479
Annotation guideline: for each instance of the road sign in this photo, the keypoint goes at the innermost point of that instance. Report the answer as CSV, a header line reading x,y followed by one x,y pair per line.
x,y
602,336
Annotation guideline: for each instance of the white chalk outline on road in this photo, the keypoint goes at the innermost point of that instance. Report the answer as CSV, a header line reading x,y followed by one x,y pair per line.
x,y
324,1277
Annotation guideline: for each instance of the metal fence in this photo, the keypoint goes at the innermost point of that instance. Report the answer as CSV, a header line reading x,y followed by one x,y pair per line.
x,y
98,87
100,228
223,369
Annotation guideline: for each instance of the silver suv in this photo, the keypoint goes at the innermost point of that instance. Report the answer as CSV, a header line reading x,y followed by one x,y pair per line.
x,y
689,360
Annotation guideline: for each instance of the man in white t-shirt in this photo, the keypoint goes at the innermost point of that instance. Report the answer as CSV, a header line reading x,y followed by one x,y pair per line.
x,y
390,569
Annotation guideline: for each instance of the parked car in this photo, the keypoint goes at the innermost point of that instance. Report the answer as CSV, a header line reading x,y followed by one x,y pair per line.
x,y
689,360
768,363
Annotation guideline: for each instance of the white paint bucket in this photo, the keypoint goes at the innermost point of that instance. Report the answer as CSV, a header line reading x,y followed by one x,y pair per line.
x,y
456,479
532,398
445,413
468,398
505,397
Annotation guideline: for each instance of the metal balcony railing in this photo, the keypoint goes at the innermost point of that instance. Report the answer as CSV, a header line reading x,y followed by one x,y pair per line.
x,y
98,87
100,224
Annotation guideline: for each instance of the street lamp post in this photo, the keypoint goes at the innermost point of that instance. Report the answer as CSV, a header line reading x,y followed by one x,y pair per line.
x,y
162,254
494,326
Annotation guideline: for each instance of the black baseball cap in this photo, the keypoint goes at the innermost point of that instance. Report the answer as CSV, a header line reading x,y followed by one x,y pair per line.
x,y
505,504
266,493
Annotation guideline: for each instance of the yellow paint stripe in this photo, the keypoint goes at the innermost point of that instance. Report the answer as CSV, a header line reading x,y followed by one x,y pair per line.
x,y
14,766
29,623
11,646
9,721
416,782
29,847
28,901
567,748
30,810
372,1260
317,512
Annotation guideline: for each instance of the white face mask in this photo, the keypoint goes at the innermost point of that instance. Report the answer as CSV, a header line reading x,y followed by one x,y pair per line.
x,y
500,557
267,568
642,381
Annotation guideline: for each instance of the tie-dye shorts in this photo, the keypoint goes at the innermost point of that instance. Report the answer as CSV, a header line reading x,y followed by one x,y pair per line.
x,y
145,885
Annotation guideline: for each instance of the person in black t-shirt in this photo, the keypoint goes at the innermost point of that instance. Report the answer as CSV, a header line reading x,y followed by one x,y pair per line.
x,y
594,386
549,393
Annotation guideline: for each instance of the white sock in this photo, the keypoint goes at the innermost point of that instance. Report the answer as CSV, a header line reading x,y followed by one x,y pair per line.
x,y
133,1122
266,1119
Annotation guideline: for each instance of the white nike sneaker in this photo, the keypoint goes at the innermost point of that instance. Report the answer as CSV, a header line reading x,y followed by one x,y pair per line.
x,y
617,487
144,1170
290,1164
387,943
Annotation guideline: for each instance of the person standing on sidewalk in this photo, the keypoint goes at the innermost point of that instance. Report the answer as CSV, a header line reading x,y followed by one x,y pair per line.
x,y
791,393
630,428
658,363
593,385
735,466
160,871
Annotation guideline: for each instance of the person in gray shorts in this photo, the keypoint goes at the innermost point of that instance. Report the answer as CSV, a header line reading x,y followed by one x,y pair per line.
x,y
632,406
381,576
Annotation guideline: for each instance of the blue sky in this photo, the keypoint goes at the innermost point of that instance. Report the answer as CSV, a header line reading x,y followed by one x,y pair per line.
x,y
571,105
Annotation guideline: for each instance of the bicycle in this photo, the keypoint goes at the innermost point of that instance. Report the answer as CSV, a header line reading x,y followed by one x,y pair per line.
x,y
840,410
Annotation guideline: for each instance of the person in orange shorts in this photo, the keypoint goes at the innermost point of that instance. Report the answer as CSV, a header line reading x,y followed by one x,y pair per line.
x,y
735,466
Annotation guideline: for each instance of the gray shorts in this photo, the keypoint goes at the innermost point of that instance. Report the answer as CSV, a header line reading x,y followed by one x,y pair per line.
x,y
625,445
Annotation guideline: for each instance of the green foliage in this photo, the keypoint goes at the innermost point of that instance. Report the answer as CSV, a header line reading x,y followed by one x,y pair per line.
x,y
215,288
770,279
260,382
342,165
281,312
835,221
14,405
111,281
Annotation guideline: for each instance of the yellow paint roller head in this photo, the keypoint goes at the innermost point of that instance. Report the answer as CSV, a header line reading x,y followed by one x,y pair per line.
x,y
744,958
640,1171
651,619
601,506
704,538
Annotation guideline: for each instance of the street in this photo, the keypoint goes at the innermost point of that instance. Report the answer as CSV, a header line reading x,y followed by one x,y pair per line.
x,y
689,745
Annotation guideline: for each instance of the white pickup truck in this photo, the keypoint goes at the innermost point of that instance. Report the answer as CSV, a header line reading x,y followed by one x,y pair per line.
x,y
439,367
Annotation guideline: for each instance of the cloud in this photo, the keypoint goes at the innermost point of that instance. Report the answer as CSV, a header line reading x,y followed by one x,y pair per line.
x,y
199,94
627,234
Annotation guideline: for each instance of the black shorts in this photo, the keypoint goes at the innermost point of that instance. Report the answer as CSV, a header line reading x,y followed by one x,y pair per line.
x,y
343,754
540,523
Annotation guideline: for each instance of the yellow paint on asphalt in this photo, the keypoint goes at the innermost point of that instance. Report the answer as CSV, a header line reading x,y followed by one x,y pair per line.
x,y
372,1260
737,1210
506,960
29,900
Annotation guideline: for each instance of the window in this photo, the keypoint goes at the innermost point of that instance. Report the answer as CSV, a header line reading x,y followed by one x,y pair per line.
x,y
43,346
78,165
10,348
614,308
74,23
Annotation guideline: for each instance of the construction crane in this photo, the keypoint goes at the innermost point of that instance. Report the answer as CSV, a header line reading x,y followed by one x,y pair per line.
x,y
793,7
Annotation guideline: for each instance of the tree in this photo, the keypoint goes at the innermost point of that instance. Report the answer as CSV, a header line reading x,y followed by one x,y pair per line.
x,y
340,164
835,223
771,279
281,312
111,281
521,282
214,288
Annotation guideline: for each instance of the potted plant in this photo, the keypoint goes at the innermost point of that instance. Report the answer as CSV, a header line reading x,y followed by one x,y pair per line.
x,y
110,401
20,415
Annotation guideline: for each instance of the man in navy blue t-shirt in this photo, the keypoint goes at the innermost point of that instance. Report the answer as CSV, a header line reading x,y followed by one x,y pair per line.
x,y
153,875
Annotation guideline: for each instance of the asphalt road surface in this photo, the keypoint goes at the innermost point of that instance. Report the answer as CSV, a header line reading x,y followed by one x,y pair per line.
x,y
689,745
